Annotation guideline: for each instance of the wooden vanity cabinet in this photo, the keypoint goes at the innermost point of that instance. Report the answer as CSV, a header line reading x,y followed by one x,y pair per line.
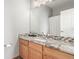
x,y
50,53
23,48
30,50
35,51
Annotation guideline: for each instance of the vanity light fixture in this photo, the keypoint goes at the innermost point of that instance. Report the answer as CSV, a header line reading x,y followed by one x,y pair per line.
x,y
38,3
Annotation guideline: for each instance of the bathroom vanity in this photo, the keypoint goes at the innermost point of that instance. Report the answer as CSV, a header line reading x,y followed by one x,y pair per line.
x,y
31,48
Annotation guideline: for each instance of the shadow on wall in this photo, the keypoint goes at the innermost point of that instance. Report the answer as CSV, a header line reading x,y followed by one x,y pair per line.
x,y
16,48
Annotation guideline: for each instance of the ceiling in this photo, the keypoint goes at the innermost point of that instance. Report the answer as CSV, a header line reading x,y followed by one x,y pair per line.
x,y
61,3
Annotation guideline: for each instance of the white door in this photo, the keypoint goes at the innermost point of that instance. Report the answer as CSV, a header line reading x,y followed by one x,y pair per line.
x,y
67,23
55,25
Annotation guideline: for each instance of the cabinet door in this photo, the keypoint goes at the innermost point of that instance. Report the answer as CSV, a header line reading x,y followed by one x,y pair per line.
x,y
24,52
50,53
33,54
23,49
49,57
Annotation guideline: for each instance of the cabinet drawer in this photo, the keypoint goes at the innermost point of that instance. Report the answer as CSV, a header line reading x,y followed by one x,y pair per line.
x,y
22,41
35,46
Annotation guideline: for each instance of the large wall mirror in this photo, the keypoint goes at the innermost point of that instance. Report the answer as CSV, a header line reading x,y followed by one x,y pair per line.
x,y
53,17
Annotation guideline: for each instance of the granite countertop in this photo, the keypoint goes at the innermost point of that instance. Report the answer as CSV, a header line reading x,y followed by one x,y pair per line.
x,y
51,43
